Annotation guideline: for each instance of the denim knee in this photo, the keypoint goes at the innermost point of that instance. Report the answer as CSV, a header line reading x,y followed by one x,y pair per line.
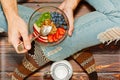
x,y
110,8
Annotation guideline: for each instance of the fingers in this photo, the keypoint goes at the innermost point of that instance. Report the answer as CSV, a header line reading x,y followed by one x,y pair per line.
x,y
71,23
69,13
70,31
62,5
17,29
21,48
15,41
30,36
26,40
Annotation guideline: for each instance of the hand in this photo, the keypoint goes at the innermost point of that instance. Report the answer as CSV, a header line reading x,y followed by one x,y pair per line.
x,y
68,7
18,29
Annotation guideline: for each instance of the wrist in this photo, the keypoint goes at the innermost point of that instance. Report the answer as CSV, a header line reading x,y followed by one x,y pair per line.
x,y
10,13
9,8
72,4
12,20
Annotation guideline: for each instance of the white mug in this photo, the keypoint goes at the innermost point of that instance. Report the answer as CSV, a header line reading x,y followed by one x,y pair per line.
x,y
61,70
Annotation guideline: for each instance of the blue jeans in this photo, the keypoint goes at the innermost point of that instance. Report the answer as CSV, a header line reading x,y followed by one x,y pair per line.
x,y
87,28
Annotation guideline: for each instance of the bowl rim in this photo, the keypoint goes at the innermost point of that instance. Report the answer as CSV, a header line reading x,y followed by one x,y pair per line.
x,y
67,22
66,64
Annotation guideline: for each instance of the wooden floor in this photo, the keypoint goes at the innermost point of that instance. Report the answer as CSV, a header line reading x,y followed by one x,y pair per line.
x,y
107,57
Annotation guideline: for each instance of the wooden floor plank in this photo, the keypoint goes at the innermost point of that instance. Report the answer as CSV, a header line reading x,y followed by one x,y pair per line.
x,y
38,1
38,5
76,76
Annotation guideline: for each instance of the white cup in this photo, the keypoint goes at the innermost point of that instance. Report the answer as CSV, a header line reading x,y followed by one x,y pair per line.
x,y
61,70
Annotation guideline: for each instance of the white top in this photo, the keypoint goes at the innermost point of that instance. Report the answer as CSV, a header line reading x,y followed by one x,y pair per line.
x,y
61,70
